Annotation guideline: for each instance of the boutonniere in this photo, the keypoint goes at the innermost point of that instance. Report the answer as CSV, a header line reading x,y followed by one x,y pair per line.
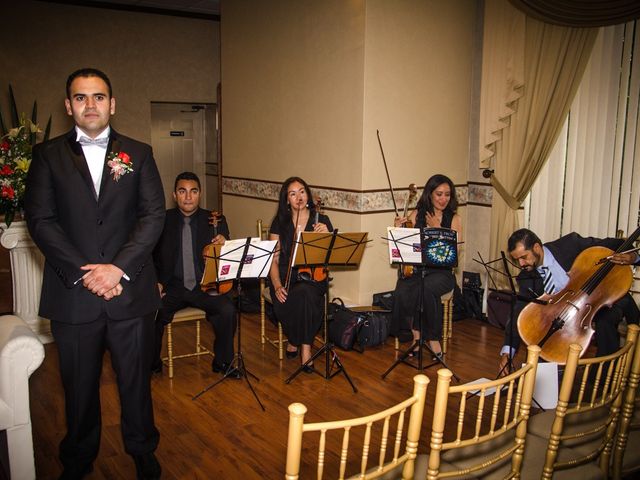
x,y
120,164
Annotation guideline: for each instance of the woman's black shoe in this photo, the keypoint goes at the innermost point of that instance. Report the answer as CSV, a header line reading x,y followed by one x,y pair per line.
x,y
290,354
308,368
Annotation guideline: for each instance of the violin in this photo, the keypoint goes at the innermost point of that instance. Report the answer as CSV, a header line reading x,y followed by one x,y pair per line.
x,y
566,317
211,254
317,274
407,270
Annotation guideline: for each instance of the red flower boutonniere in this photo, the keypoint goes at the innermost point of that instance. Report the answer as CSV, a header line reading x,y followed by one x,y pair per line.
x,y
120,164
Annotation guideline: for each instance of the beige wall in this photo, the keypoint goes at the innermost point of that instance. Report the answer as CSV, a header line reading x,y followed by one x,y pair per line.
x,y
148,57
306,85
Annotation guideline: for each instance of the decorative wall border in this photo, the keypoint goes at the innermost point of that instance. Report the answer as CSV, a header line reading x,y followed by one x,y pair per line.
x,y
361,202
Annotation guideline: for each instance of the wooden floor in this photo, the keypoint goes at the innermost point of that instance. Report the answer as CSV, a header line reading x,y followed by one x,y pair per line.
x,y
224,433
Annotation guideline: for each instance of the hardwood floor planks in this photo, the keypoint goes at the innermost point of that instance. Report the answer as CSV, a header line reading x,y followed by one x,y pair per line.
x,y
224,433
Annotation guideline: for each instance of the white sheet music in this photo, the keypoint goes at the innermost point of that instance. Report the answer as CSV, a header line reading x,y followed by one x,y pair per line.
x,y
404,245
257,261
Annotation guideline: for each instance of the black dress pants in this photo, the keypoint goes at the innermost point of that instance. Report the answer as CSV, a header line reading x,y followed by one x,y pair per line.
x,y
220,312
81,349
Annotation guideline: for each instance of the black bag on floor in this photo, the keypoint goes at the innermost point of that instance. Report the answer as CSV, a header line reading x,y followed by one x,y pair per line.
x,y
368,328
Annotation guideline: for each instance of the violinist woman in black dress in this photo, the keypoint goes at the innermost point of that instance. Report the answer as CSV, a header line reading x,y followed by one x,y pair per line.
x,y
299,307
436,208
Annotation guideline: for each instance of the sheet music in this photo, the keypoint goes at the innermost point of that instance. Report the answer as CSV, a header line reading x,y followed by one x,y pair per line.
x,y
256,264
404,245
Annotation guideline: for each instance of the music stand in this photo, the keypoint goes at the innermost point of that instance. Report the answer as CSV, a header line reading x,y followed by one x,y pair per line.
x,y
238,259
409,246
328,250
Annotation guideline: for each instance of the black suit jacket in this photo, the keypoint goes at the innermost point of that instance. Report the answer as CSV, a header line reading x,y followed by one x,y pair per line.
x,y
565,250
72,227
167,253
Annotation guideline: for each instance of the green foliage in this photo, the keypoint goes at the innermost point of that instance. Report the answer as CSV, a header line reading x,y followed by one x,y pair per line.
x,y
16,144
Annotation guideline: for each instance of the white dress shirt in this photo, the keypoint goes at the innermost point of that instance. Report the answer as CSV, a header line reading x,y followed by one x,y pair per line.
x,y
95,156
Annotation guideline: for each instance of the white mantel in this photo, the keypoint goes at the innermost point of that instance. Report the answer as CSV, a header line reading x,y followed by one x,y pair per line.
x,y
27,263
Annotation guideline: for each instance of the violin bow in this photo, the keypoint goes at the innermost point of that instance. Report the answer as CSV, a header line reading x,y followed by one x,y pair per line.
x,y
384,160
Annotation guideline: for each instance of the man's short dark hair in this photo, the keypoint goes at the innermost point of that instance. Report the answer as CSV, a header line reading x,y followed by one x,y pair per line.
x,y
186,176
524,236
88,72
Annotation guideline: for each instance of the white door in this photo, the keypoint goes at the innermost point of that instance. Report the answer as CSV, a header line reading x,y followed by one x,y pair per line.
x,y
178,141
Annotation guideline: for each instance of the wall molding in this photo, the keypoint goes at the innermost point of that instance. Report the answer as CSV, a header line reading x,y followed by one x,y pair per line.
x,y
361,202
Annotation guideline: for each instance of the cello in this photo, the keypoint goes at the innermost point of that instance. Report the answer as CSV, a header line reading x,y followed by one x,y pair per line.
x,y
566,316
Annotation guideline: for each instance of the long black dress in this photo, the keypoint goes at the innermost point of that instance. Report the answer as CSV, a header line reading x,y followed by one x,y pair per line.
x,y
302,313
406,302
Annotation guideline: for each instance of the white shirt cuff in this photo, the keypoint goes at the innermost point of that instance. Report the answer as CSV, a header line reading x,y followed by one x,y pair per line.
x,y
505,350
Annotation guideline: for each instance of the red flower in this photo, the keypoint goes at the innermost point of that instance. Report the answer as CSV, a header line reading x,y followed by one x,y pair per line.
x,y
6,170
124,157
8,192
4,146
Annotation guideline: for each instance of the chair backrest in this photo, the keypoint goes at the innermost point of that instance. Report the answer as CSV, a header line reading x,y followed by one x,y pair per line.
x,y
629,406
384,429
591,388
262,230
504,414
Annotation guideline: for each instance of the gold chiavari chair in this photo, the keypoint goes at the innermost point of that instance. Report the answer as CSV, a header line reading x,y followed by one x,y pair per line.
x,y
494,447
384,430
188,314
626,454
579,433
265,297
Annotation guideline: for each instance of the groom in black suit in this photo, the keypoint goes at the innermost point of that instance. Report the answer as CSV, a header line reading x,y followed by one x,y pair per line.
x,y
536,259
180,265
95,207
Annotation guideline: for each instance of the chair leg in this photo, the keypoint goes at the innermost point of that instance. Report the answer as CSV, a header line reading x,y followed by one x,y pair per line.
x,y
397,343
446,325
197,336
262,316
170,348
280,342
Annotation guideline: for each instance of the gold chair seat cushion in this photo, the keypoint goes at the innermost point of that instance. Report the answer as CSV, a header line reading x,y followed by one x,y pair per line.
x,y
631,459
187,314
540,426
532,464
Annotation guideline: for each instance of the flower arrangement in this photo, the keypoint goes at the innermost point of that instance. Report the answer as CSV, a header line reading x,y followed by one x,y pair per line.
x,y
15,158
16,145
120,164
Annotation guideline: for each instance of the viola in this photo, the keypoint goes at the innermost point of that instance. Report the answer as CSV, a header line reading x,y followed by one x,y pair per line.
x,y
407,270
211,254
566,318
317,274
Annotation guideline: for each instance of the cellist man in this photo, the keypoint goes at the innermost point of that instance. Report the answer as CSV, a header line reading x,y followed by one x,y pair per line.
x,y
544,270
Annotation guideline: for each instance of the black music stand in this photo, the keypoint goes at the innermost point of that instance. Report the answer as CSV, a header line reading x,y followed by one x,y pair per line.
x,y
328,250
406,249
239,254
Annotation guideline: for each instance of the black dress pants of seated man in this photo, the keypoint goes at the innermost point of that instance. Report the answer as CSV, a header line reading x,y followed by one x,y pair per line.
x,y
220,312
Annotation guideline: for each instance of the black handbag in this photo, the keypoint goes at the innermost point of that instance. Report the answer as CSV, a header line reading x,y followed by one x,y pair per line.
x,y
368,328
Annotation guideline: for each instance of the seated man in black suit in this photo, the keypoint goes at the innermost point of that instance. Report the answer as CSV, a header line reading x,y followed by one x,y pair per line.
x,y
180,265
536,261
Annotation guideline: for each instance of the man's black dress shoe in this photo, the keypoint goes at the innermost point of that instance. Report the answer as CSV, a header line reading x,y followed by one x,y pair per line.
x,y
147,466
223,367
156,368
291,354
76,473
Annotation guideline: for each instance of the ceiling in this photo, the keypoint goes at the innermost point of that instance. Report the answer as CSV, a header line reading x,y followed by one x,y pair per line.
x,y
199,8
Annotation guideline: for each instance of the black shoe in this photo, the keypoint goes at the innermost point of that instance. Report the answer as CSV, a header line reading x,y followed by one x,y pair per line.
x,y
156,368
308,368
223,367
147,466
437,356
291,354
76,473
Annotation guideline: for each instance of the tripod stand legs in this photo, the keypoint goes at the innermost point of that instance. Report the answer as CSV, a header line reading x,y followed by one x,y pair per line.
x,y
419,343
331,360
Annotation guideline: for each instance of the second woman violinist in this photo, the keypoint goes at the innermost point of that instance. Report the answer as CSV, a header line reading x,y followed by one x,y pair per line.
x,y
436,208
298,304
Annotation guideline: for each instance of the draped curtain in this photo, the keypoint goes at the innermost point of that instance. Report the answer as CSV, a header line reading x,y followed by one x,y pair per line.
x,y
580,13
554,59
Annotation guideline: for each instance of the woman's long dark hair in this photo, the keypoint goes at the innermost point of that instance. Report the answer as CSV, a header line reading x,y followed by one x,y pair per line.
x,y
283,214
425,205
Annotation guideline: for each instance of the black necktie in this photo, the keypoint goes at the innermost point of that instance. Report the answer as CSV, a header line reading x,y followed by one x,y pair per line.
x,y
188,269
